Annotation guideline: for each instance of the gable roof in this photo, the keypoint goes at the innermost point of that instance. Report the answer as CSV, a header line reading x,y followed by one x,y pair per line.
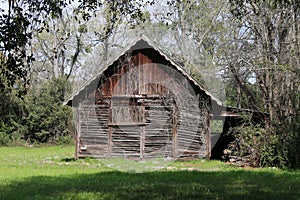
x,y
136,44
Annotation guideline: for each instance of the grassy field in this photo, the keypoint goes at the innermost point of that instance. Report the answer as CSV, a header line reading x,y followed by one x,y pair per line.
x,y
51,173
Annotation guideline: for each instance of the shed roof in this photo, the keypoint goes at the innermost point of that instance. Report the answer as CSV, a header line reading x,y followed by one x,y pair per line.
x,y
139,43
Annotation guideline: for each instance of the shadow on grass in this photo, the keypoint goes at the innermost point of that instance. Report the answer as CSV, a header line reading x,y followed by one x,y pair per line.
x,y
68,160
157,185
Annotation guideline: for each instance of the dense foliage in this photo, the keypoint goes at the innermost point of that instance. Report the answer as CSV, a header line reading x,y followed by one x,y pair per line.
x,y
38,117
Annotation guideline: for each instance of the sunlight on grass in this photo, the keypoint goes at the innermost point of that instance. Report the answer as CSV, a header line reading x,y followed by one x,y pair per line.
x,y
136,166
52,173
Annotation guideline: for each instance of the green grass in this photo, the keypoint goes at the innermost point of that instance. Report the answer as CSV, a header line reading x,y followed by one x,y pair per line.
x,y
51,173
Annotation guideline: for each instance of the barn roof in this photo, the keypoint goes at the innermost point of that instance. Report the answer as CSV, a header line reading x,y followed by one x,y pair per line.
x,y
136,44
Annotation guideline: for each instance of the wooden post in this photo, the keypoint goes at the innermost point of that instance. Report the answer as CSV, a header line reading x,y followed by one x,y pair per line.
x,y
77,132
142,142
174,130
76,145
109,134
109,141
208,138
142,134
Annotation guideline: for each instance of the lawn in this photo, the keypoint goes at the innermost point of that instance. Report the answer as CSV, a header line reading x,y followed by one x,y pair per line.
x,y
51,173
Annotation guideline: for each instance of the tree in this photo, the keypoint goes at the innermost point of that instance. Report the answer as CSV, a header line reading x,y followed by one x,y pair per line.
x,y
46,119
16,28
264,60
194,31
35,59
23,18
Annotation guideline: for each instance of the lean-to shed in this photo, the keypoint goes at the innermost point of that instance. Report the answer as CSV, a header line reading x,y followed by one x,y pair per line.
x,y
143,105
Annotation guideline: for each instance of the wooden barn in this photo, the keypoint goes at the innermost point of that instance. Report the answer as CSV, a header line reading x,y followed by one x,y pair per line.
x,y
143,105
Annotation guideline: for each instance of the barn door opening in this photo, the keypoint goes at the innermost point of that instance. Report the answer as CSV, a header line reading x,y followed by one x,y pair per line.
x,y
160,115
160,130
143,126
125,127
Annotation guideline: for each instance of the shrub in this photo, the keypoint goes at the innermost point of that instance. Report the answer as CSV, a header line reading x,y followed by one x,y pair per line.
x,y
254,145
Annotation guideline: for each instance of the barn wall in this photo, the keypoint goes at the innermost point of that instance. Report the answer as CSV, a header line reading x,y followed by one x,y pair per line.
x,y
93,128
133,114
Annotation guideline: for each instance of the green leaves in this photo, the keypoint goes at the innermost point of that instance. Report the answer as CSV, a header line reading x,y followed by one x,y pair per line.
x,y
40,117
48,119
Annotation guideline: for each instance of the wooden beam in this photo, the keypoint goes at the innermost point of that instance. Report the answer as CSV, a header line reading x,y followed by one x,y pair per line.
x,y
174,130
208,138
109,138
109,141
142,142
77,133
76,145
143,133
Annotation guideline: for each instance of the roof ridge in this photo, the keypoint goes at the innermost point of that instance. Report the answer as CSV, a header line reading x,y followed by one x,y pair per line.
x,y
156,47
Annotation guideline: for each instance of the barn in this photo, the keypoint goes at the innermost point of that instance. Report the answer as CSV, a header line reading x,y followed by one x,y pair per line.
x,y
143,105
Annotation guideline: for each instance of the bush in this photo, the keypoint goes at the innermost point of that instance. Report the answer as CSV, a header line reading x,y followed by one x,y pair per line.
x,y
255,145
4,139
246,148
293,143
64,140
47,118
39,117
